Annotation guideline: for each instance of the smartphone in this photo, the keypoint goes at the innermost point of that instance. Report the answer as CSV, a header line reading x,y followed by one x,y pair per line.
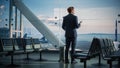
x,y
80,22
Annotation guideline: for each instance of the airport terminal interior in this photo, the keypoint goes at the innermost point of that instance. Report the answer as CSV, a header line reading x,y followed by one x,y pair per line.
x,y
31,34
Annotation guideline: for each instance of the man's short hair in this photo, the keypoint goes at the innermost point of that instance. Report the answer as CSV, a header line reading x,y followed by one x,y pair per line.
x,y
70,9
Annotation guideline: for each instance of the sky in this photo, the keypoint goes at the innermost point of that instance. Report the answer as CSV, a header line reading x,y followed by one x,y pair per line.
x,y
46,6
98,16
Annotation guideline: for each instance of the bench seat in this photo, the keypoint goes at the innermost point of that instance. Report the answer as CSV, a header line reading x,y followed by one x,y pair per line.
x,y
91,53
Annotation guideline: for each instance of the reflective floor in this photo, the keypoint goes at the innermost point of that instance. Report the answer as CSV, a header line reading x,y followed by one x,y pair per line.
x,y
50,61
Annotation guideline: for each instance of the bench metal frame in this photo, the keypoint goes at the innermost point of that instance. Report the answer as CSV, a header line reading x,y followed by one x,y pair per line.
x,y
107,49
93,52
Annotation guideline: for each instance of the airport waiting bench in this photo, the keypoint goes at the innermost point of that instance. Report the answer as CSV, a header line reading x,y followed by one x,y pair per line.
x,y
15,46
2,52
37,48
108,50
6,47
18,46
41,49
94,51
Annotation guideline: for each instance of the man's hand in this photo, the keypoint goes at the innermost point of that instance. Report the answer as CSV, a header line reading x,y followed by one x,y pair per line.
x,y
80,21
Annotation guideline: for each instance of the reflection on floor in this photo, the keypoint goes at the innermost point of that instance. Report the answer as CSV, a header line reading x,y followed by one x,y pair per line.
x,y
51,61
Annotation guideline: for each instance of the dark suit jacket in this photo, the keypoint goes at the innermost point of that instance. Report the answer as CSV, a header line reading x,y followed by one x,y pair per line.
x,y
70,23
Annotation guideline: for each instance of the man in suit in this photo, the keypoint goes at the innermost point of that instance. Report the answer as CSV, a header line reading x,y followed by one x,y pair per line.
x,y
70,24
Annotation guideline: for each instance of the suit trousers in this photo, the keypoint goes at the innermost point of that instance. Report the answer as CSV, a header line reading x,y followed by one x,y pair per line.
x,y
70,42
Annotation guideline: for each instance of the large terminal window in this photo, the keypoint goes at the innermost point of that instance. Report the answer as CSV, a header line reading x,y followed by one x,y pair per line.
x,y
99,18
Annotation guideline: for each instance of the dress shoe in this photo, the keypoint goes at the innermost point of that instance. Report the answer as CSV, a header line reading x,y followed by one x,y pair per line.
x,y
73,62
66,62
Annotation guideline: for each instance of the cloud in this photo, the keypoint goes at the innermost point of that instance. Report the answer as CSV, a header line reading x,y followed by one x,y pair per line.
x,y
47,18
2,6
42,17
52,19
97,13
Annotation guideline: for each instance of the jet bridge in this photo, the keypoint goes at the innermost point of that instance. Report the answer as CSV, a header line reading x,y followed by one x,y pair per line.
x,y
38,24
